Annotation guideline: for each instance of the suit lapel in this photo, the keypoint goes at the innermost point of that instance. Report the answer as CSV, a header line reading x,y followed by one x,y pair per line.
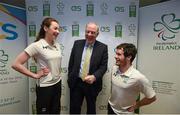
x,y
81,48
81,45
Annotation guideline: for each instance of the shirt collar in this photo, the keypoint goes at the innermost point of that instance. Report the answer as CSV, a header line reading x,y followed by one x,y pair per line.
x,y
91,45
127,73
45,44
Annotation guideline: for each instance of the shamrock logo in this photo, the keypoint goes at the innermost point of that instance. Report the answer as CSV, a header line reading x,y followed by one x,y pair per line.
x,y
168,27
3,58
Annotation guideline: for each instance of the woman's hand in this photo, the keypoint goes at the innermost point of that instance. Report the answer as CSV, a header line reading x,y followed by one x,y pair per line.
x,y
43,72
133,107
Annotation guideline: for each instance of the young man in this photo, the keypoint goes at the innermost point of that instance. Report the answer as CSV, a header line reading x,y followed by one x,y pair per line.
x,y
128,83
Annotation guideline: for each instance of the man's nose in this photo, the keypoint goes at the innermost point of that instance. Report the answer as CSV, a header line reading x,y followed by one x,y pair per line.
x,y
115,57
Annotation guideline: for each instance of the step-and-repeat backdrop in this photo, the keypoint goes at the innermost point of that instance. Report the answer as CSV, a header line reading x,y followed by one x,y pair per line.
x,y
158,47
13,85
159,54
118,22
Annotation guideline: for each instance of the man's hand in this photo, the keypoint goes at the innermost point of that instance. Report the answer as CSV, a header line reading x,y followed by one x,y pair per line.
x,y
90,79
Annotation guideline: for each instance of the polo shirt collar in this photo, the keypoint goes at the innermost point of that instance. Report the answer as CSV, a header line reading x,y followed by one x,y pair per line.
x,y
128,72
45,44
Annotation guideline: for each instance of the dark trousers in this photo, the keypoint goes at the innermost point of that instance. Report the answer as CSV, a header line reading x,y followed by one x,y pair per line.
x,y
110,110
48,99
77,95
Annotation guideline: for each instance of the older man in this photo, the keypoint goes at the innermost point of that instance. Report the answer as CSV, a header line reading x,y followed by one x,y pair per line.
x,y
87,65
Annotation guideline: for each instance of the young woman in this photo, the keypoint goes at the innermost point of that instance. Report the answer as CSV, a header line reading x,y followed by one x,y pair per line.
x,y
46,52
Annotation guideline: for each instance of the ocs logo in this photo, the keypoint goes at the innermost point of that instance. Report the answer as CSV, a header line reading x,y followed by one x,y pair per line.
x,y
103,107
63,29
64,70
9,29
76,8
32,8
119,9
105,29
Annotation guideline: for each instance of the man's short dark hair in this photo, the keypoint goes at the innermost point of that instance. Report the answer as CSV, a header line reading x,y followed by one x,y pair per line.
x,y
129,50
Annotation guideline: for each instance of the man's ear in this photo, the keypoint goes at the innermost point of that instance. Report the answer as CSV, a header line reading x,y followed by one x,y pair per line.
x,y
129,58
97,34
45,28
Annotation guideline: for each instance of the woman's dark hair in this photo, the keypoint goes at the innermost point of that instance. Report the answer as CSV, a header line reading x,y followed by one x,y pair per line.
x,y
46,22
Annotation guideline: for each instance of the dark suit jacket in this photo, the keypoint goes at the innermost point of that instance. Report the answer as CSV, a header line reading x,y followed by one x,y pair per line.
x,y
98,63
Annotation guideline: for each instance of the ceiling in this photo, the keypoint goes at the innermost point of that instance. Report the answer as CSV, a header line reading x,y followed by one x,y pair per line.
x,y
21,3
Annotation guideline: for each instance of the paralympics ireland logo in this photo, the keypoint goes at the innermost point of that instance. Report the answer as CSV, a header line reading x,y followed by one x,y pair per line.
x,y
3,59
168,27
3,63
